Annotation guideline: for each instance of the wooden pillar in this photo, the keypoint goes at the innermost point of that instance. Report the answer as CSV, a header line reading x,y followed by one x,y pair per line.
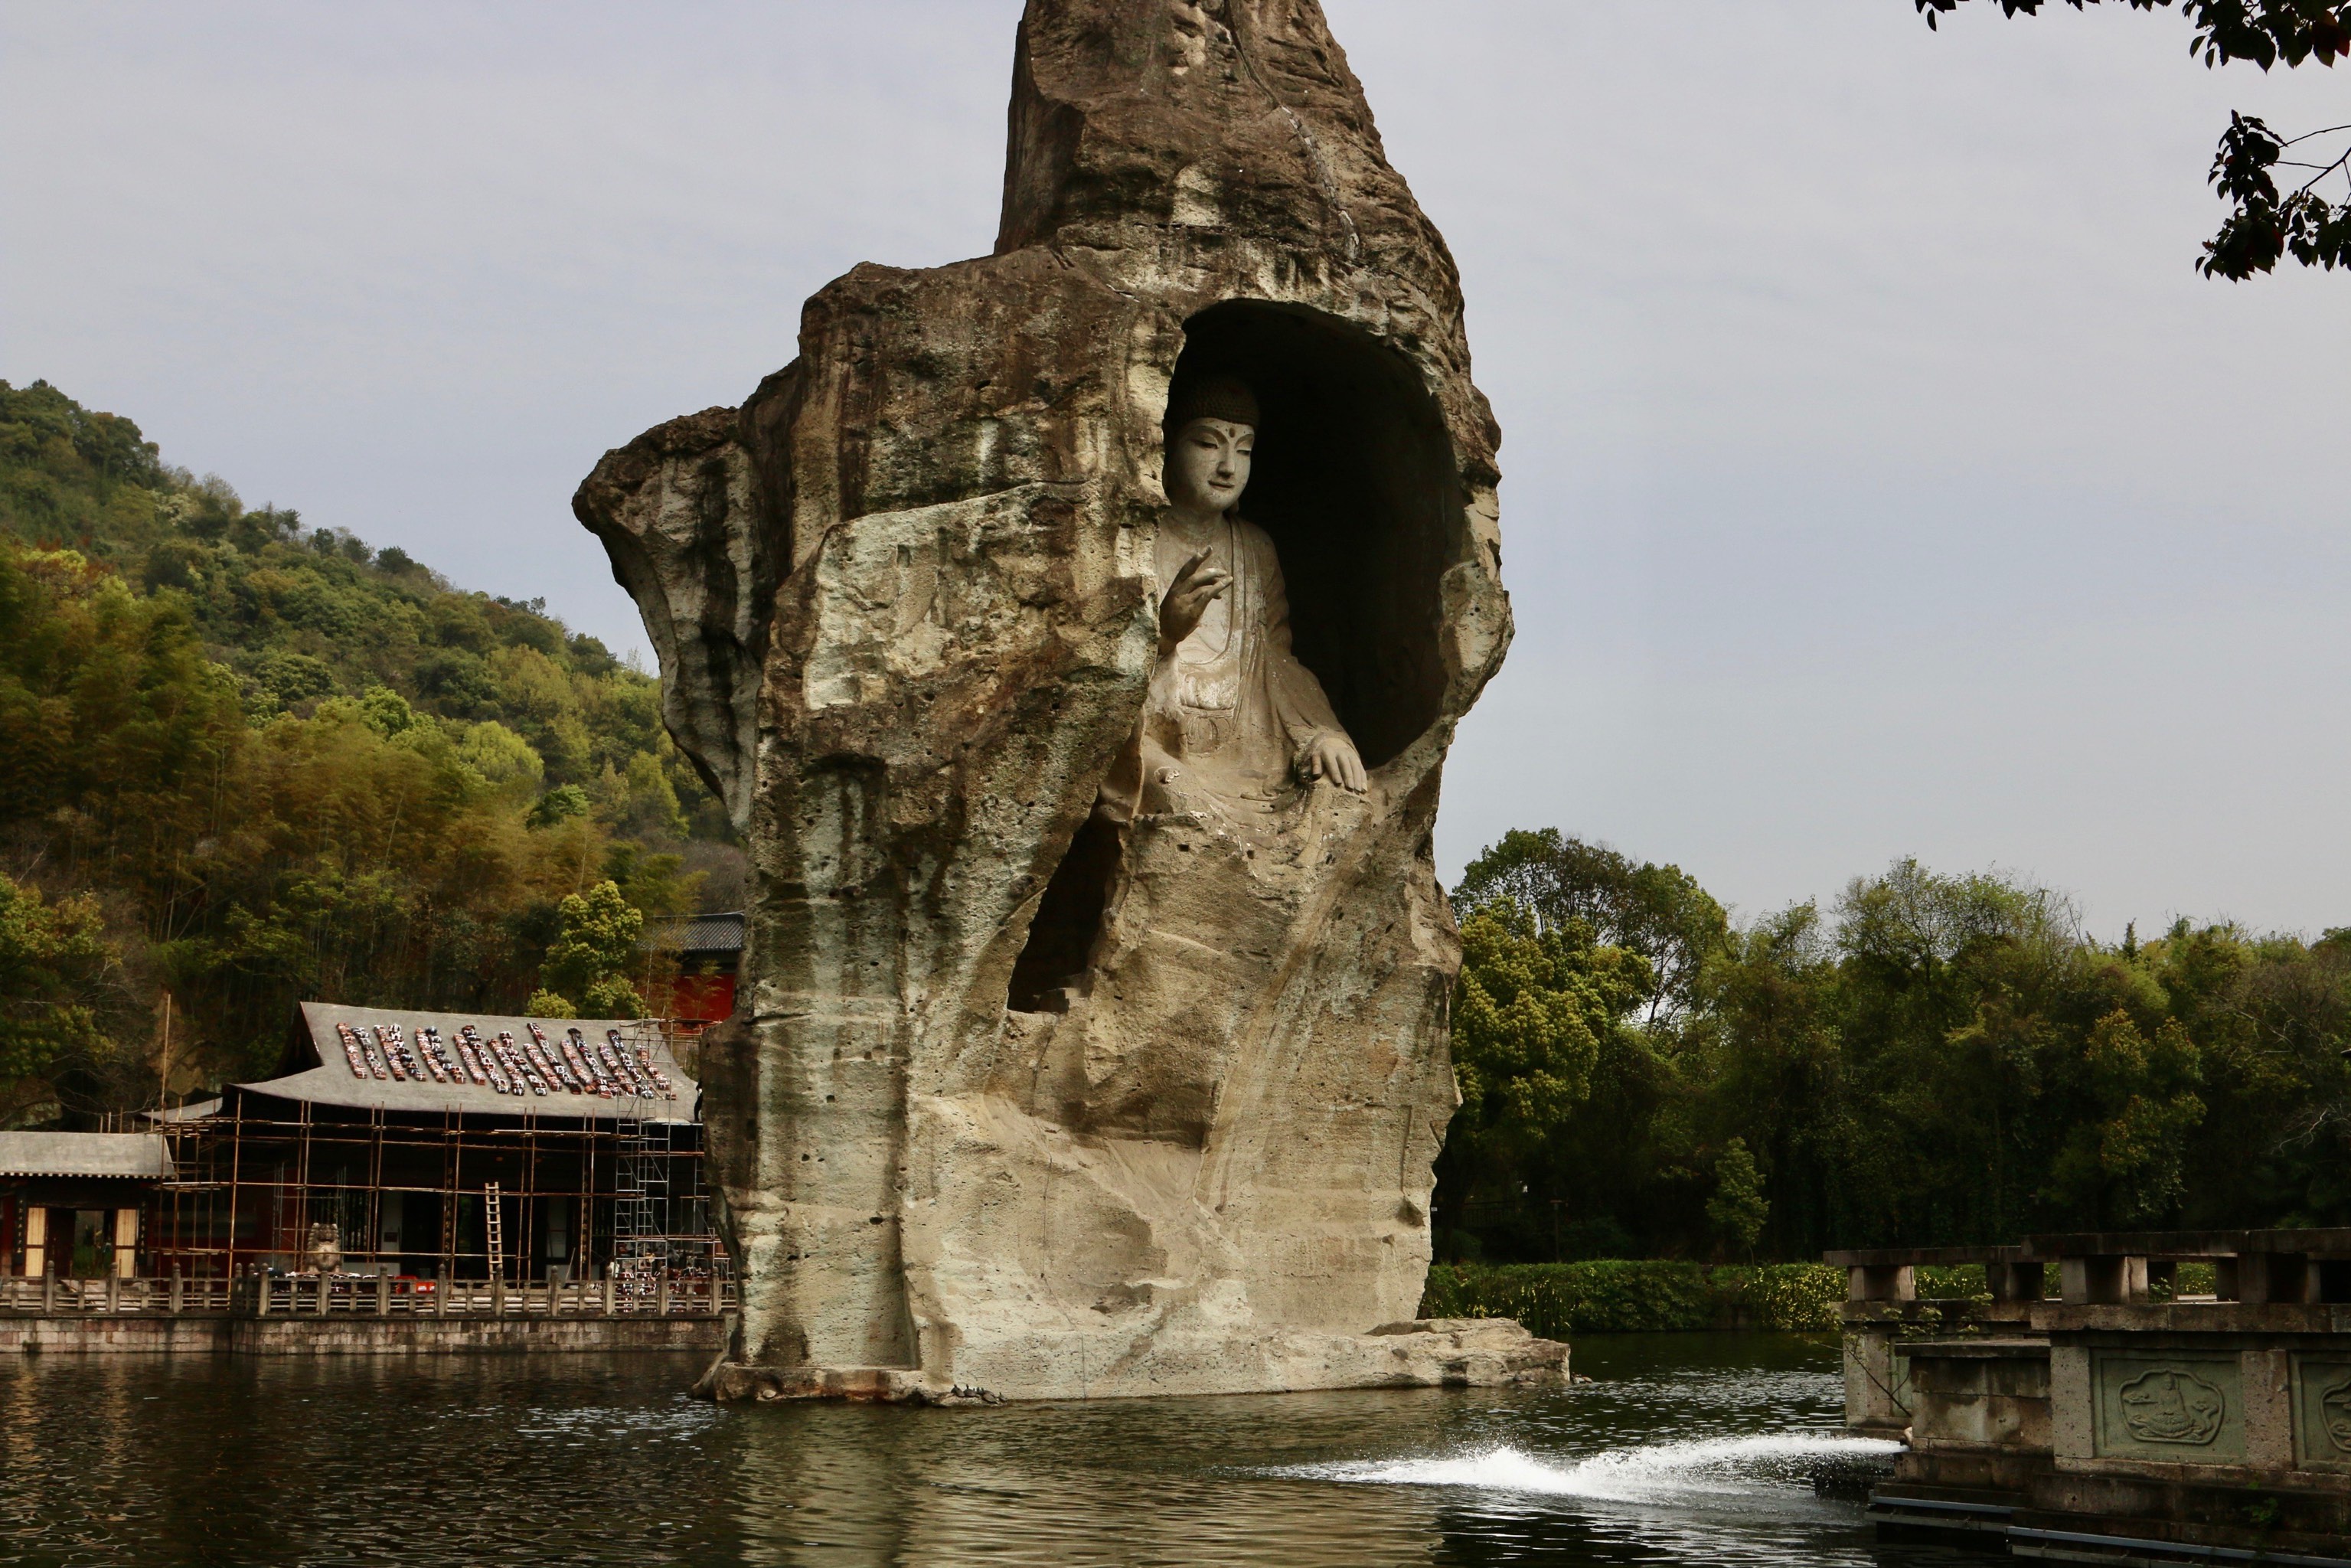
x,y
302,1182
582,1215
376,1191
236,1171
448,1201
527,1240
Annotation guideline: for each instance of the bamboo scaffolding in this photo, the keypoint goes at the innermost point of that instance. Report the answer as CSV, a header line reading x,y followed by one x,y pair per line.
x,y
323,1164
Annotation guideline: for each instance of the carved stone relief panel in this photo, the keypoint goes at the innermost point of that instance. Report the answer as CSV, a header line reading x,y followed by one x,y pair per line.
x,y
2187,1409
2321,1412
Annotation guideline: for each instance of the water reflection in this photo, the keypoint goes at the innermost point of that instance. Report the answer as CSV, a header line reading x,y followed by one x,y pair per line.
x,y
1685,1449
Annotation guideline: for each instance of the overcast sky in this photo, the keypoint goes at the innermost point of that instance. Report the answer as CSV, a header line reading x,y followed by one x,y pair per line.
x,y
1879,479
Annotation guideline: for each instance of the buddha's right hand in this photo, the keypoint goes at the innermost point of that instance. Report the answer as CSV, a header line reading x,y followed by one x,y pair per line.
x,y
1196,587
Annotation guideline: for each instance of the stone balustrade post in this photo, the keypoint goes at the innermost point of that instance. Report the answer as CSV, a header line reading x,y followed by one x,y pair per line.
x,y
2103,1281
2014,1283
1881,1282
2264,1278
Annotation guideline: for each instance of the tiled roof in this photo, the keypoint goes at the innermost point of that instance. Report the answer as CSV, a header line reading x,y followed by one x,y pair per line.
x,y
133,1154
715,932
395,1064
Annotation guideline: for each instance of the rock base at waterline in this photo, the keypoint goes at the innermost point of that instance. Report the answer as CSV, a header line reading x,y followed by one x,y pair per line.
x,y
1425,1353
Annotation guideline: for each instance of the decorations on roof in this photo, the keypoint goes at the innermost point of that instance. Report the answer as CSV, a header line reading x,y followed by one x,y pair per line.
x,y
645,1061
436,1057
538,1067
352,1049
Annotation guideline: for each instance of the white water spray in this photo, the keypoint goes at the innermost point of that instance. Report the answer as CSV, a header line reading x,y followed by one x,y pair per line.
x,y
1651,1472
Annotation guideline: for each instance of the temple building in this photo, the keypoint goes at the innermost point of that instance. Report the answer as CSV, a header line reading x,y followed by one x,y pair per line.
x,y
74,1203
443,1145
705,950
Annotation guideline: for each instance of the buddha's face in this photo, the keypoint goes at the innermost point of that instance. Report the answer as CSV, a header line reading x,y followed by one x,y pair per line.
x,y
1208,464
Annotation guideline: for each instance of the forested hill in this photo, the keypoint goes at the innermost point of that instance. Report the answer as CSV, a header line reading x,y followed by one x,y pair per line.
x,y
300,613
245,759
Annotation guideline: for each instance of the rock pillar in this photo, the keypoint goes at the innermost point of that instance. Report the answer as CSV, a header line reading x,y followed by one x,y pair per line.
x,y
1017,1099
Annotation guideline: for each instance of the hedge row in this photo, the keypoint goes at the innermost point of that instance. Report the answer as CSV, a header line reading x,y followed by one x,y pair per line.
x,y
1620,1296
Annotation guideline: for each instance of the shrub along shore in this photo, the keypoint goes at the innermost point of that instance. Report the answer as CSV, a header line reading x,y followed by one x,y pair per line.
x,y
1558,1301
1611,1295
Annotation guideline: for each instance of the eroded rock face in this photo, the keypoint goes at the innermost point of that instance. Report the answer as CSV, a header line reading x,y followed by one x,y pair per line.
x,y
1024,1097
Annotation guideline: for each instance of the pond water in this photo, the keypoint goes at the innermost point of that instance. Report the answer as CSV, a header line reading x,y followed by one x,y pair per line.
x,y
1685,1449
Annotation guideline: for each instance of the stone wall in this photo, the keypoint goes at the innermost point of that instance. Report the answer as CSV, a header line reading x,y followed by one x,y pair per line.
x,y
216,1334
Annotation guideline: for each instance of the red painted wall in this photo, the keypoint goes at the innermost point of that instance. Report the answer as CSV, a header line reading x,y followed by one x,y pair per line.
x,y
707,998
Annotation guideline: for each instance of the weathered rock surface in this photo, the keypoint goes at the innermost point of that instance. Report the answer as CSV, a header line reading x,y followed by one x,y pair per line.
x,y
1014,1104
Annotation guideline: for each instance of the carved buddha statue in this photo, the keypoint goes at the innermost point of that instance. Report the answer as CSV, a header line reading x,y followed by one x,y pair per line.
x,y
1232,720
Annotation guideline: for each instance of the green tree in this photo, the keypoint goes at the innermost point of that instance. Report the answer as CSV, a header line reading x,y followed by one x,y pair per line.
x,y
1656,911
1738,1209
590,955
55,968
1536,1011
2264,225
278,764
1934,1059
2128,1166
546,1004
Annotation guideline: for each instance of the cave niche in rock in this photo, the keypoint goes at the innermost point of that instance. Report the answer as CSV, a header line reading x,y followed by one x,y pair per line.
x,y
1068,916
1355,480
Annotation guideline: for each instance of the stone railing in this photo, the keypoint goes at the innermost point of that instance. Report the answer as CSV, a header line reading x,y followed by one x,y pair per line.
x,y
300,1295
2120,1411
53,1296
364,1295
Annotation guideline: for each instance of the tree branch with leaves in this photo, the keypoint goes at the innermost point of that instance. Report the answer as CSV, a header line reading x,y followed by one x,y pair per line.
x,y
2265,224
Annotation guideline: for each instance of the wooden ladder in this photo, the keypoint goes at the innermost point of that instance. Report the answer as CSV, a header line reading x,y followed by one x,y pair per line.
x,y
494,1217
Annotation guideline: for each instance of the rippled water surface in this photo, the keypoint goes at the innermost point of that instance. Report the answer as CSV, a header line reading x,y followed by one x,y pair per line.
x,y
1684,1449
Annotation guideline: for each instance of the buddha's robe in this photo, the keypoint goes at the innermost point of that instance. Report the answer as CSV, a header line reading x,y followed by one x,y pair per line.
x,y
1231,712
